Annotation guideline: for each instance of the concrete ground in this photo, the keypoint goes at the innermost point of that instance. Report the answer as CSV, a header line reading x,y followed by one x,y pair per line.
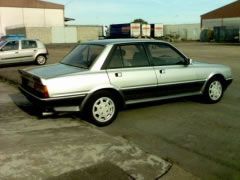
x,y
65,147
202,139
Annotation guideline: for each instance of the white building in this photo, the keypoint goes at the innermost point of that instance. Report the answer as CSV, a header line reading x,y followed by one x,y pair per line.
x,y
30,13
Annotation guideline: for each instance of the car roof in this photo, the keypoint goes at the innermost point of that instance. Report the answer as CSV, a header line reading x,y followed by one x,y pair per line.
x,y
121,41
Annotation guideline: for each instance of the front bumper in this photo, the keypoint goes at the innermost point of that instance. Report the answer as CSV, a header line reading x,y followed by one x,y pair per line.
x,y
228,82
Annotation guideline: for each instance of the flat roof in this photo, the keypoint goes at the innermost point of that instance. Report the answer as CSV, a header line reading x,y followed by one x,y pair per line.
x,y
30,4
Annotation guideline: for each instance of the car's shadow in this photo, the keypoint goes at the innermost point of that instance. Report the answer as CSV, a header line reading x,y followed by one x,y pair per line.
x,y
197,99
16,64
23,104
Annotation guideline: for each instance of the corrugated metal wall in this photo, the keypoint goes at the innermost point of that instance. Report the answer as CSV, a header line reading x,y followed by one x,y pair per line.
x,y
211,23
185,31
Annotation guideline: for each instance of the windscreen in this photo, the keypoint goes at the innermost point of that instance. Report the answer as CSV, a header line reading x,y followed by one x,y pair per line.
x,y
83,55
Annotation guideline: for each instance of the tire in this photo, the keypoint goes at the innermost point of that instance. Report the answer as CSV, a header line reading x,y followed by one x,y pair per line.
x,y
214,91
101,109
41,60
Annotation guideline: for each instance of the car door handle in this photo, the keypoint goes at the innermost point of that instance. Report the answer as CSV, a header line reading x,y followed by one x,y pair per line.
x,y
16,52
118,74
162,71
35,50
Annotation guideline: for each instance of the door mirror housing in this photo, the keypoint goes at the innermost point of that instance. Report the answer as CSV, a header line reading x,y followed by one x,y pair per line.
x,y
188,61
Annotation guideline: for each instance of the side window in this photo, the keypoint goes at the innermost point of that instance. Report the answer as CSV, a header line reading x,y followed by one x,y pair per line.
x,y
129,56
134,56
162,55
12,45
116,60
29,44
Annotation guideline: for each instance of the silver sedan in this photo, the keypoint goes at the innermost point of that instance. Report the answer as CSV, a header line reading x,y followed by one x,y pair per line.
x,y
100,77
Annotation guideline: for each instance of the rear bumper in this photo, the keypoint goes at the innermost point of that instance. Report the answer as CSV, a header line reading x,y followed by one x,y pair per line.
x,y
60,104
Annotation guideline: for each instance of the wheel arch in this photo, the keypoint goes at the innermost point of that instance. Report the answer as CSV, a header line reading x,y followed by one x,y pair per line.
x,y
213,76
40,54
116,93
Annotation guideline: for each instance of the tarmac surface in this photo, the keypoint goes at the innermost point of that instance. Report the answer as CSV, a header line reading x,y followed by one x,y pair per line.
x,y
204,139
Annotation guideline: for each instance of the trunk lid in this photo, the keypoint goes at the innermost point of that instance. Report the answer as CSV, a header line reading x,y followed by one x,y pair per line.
x,y
52,71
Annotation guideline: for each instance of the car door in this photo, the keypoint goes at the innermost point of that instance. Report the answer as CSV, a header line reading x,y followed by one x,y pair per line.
x,y
175,75
28,50
9,52
129,70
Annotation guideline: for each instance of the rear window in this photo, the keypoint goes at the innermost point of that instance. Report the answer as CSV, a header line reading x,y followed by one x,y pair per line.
x,y
83,55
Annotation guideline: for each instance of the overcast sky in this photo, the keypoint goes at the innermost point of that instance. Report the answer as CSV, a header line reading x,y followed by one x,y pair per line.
x,y
123,11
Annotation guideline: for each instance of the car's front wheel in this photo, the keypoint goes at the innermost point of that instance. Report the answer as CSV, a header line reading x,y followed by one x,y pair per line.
x,y
214,90
41,60
102,109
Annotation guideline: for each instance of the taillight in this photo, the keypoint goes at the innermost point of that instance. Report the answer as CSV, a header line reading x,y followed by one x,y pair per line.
x,y
41,89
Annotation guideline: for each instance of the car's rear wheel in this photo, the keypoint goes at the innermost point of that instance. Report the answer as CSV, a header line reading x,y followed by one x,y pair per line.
x,y
41,60
102,109
214,90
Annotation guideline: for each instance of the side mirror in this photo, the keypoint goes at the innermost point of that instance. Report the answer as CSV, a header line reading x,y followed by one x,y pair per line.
x,y
188,61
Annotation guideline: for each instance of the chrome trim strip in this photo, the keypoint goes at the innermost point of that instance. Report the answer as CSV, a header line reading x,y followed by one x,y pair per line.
x,y
69,95
184,82
18,58
67,109
138,87
161,98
